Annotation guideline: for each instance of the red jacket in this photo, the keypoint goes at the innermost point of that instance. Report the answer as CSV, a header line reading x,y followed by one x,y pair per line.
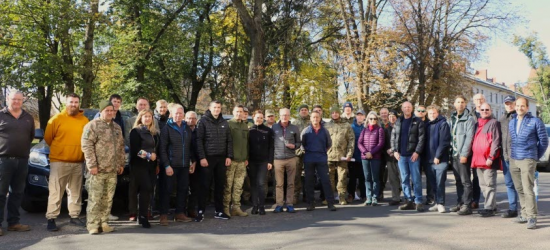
x,y
487,144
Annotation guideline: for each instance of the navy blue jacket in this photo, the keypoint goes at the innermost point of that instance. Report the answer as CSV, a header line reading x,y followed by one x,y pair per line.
x,y
316,145
532,140
175,147
357,131
438,140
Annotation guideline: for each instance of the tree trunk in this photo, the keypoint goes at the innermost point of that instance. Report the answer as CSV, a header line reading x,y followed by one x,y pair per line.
x,y
88,73
44,105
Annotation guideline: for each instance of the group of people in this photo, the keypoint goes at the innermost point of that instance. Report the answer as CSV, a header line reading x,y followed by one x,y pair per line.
x,y
355,151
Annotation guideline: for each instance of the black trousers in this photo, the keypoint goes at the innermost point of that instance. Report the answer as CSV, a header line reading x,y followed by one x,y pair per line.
x,y
216,170
257,171
142,179
464,185
356,172
181,178
194,187
383,176
321,169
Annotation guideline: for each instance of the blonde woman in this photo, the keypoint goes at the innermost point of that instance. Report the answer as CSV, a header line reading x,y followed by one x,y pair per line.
x,y
371,144
144,142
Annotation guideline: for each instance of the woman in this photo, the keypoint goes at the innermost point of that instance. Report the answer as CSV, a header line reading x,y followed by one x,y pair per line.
x,y
175,154
486,157
260,160
144,141
371,144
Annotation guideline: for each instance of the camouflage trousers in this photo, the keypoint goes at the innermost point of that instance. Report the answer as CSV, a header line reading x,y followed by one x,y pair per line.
x,y
101,189
342,168
235,175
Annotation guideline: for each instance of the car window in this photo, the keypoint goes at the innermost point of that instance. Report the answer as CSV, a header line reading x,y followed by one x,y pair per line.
x,y
548,131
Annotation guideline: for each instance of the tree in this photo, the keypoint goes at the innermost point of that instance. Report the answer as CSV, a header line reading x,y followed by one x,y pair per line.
x,y
537,55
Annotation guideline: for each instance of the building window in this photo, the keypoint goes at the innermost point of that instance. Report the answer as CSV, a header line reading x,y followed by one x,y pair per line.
x,y
482,92
491,96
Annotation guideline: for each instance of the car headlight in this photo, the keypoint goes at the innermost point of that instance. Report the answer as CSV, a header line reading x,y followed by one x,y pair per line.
x,y
38,180
38,159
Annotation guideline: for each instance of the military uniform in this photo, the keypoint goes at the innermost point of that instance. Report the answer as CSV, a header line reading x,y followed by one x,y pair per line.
x,y
103,148
302,123
343,142
348,120
236,172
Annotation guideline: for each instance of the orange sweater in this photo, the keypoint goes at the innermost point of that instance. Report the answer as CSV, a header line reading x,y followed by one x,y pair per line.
x,y
63,134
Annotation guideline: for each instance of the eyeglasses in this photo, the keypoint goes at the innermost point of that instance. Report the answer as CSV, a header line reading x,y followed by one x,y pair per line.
x,y
421,110
373,119
485,110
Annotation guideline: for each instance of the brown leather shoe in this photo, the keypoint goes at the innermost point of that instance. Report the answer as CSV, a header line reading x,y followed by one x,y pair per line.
x,y
163,220
182,218
474,205
19,228
191,213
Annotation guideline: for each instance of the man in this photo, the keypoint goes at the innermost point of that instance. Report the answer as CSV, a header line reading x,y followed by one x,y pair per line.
x,y
236,172
421,112
347,116
302,121
270,118
287,140
194,181
161,113
16,135
103,147
478,100
407,141
319,109
141,104
486,157
462,125
63,135
529,141
356,167
245,119
343,140
393,170
509,106
316,144
116,100
245,197
215,149
438,142
384,118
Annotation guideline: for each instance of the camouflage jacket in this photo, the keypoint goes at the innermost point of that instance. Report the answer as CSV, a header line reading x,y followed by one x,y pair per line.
x,y
343,140
103,146
302,123
349,120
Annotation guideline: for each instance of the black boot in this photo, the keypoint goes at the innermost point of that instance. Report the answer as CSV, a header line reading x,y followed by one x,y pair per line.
x,y
262,210
52,227
144,222
254,210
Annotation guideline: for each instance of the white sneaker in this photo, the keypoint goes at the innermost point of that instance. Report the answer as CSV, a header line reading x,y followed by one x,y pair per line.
x,y
112,217
433,208
441,208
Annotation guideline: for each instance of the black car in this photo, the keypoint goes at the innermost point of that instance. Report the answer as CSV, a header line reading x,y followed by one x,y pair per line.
x,y
36,190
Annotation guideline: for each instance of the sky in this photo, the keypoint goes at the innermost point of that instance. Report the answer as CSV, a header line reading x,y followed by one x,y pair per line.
x,y
502,60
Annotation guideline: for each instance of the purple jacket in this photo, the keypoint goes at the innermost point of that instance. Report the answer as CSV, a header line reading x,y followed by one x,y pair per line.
x,y
371,141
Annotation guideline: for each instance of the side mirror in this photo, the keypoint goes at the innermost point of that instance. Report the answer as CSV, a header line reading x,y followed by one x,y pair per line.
x,y
39,133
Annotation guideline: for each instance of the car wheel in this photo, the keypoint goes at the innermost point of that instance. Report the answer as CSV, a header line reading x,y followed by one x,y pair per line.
x,y
33,206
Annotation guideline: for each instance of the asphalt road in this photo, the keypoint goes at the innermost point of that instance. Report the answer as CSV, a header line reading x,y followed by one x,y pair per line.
x,y
351,227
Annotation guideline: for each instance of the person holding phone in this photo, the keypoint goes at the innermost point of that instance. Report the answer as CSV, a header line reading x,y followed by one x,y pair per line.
x,y
144,142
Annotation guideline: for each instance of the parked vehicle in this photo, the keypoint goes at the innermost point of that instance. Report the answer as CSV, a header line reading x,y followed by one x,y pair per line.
x,y
36,191
544,162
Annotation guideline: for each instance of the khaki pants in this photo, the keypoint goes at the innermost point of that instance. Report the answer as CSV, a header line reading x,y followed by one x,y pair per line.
x,y
488,185
342,185
101,189
523,175
287,166
235,175
65,176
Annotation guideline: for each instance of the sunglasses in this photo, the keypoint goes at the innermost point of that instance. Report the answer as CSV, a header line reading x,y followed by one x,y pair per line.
x,y
485,110
421,110
373,119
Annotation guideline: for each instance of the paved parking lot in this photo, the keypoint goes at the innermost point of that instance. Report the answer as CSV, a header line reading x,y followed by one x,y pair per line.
x,y
351,227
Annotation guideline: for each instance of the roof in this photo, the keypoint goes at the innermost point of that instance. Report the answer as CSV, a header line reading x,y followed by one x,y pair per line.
x,y
497,86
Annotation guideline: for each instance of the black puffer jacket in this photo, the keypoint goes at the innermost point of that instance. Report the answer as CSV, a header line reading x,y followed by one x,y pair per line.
x,y
506,141
142,139
162,119
261,144
214,137
416,136
175,148
387,137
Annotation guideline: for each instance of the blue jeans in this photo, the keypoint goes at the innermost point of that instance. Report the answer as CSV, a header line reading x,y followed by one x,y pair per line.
x,y
13,176
437,175
410,170
371,169
321,168
510,189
